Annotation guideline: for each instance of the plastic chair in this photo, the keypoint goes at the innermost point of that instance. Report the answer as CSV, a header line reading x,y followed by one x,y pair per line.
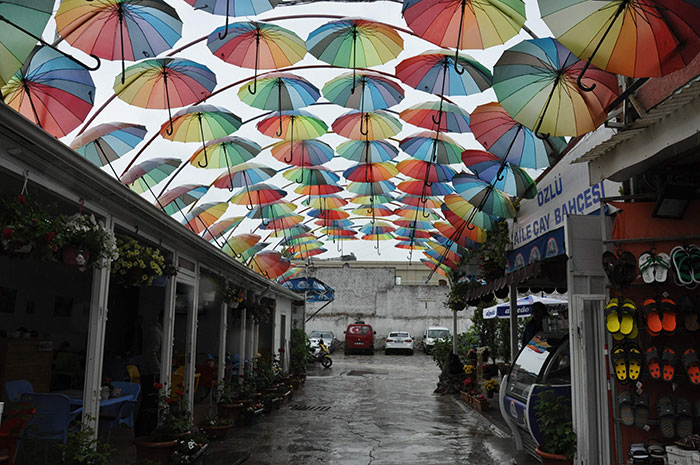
x,y
15,389
134,375
53,416
14,423
177,380
122,413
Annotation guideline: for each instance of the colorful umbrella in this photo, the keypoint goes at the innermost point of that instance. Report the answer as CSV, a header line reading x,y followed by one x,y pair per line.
x,y
509,140
236,245
106,142
376,199
412,233
221,227
335,223
416,201
244,175
145,175
260,194
371,188
449,250
249,252
318,189
256,45
474,235
411,245
283,222
410,212
204,215
225,152
330,201
177,198
461,214
380,227
432,147
269,264
294,231
416,187
328,214
293,125
308,253
289,274
632,38
438,258
200,123
119,29
432,172
27,20
165,83
305,249
309,152
272,209
483,195
465,24
428,115
280,91
372,210
442,270
338,232
535,81
414,224
367,151
370,172
502,175
298,240
311,176
376,92
354,43
357,125
52,90
233,8
438,72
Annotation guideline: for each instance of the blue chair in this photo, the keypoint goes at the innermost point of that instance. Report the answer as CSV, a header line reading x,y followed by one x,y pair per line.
x,y
16,388
53,416
122,413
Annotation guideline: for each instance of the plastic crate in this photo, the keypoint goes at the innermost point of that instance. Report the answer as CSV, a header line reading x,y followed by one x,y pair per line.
x,y
696,458
678,456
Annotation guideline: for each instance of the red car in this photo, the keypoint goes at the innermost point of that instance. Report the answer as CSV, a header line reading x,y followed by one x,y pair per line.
x,y
359,337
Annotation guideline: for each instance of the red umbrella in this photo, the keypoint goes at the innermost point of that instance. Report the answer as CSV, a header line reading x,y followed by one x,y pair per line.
x,y
269,264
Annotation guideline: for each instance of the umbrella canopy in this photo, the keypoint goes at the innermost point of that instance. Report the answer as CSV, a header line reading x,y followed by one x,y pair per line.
x,y
145,175
318,189
411,245
372,210
438,72
367,151
244,175
328,214
119,29
204,215
177,198
442,270
269,264
483,195
414,224
412,233
272,210
282,222
417,201
370,172
260,194
509,140
234,7
379,227
464,237
450,117
536,82
106,142
432,172
502,175
375,199
309,152
221,227
292,125
225,152
432,147
438,258
236,245
165,83
457,211
632,38
25,21
201,123
370,188
465,24
251,251
421,188
311,176
330,201
376,92
357,125
279,91
53,91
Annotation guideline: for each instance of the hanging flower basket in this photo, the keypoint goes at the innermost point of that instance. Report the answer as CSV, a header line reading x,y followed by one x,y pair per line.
x,y
138,265
75,256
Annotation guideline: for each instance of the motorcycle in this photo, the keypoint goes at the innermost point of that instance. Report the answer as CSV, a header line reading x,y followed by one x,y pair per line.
x,y
322,355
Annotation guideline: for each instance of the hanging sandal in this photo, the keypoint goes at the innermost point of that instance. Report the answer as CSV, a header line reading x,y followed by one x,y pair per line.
x,y
612,316
653,317
661,266
668,316
628,268
628,313
641,410
668,363
684,410
620,364
691,363
651,357
626,406
647,262
634,361
680,258
664,409
694,252
610,263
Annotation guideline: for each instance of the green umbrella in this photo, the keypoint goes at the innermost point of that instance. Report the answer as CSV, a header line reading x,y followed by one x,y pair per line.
x,y
145,175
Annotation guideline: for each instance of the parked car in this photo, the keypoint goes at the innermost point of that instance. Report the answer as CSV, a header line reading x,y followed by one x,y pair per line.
x,y
399,341
327,336
359,337
433,334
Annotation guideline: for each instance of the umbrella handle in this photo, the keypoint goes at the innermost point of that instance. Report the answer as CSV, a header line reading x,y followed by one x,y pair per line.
x,y
580,83
364,129
459,38
376,247
228,5
204,145
228,168
257,54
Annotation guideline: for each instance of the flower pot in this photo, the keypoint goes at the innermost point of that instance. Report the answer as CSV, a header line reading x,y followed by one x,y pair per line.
x,y
465,397
479,405
75,256
157,451
216,432
553,459
230,411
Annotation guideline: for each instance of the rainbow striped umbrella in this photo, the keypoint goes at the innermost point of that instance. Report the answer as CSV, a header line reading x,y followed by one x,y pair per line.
x,y
272,209
414,224
256,45
449,250
27,21
412,233
437,116
52,90
165,83
335,223
298,240
367,151
536,82
106,142
509,140
305,246
438,258
354,43
416,201
632,38
328,214
376,92
432,172
379,227
338,232
311,175
280,91
372,209
230,8
376,125
442,270
259,194
145,175
371,188
433,147
282,222
251,251
331,201
177,198
244,175
318,189
269,264
502,175
438,72
236,245
289,274
308,253
463,237
483,195
294,231
460,214
225,152
418,187
293,125
309,152
204,215
221,227
411,245
376,199
410,212
370,172
119,29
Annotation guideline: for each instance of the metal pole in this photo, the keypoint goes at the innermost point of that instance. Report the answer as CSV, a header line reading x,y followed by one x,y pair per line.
x,y
241,344
166,349
513,321
223,328
191,342
454,332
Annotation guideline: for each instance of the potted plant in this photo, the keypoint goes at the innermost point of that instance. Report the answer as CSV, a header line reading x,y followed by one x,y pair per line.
x,y
232,295
229,395
174,422
138,264
554,421
491,387
27,228
82,448
86,243
216,428
479,402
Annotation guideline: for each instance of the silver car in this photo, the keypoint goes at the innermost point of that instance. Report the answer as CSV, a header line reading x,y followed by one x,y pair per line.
x,y
327,336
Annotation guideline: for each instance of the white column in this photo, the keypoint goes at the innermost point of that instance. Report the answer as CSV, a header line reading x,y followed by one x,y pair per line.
x,y
191,342
241,343
513,322
166,350
223,328
454,332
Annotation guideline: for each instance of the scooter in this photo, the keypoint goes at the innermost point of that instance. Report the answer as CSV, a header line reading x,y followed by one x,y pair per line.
x,y
322,355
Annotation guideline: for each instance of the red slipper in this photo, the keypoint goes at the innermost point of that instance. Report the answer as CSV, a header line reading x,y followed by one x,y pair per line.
x,y
692,365
668,316
653,317
653,361
669,364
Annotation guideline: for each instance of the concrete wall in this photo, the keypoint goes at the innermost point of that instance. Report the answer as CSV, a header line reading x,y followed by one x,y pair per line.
x,y
371,294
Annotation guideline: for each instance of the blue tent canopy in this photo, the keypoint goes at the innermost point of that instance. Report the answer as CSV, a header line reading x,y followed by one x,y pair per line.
x,y
315,289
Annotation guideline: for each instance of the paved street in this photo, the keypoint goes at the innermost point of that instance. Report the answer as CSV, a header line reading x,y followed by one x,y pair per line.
x,y
381,410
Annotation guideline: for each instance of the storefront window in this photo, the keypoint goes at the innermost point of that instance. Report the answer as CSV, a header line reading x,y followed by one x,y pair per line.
x,y
530,365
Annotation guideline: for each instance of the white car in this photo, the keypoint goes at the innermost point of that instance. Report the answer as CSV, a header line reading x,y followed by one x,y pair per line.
x,y
433,334
327,337
399,341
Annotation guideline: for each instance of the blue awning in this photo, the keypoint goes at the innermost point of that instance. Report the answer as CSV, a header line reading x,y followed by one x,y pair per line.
x,y
315,289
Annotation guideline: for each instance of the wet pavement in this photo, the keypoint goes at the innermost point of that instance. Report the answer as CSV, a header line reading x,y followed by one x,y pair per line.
x,y
373,410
